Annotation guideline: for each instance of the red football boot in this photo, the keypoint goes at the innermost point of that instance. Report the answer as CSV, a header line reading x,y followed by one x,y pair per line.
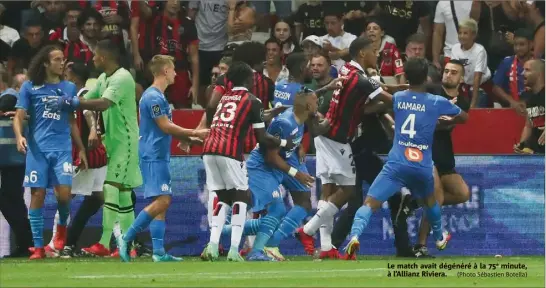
x,y
60,237
50,252
96,250
307,241
245,251
330,254
37,253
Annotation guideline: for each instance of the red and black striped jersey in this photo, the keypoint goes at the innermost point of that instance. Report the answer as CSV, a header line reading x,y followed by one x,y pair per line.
x,y
96,158
173,36
237,111
262,87
145,27
344,113
114,31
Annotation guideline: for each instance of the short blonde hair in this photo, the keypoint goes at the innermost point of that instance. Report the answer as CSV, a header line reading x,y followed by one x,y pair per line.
x,y
158,62
470,24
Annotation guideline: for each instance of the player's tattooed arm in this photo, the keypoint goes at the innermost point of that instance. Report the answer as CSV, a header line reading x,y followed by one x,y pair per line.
x,y
93,140
76,136
318,126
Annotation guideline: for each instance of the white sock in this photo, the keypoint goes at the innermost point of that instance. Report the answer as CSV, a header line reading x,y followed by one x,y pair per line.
x,y
324,215
326,235
54,232
237,224
218,222
210,206
117,230
251,238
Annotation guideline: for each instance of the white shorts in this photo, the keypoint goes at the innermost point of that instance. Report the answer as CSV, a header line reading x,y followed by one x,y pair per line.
x,y
224,173
88,181
335,163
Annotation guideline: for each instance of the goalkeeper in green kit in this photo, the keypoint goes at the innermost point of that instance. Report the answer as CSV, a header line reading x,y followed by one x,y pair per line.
x,y
114,95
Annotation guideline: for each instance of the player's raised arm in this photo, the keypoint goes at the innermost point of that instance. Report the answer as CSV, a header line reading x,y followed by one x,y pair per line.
x,y
215,96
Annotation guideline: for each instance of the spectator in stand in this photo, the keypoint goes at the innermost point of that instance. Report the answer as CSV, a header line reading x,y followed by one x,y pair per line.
x,y
74,48
177,37
225,62
282,31
5,51
508,79
337,41
90,24
52,16
497,22
73,12
24,49
534,13
274,69
402,18
354,14
308,20
532,136
416,46
312,45
7,34
474,57
389,62
321,77
211,19
283,10
446,23
241,21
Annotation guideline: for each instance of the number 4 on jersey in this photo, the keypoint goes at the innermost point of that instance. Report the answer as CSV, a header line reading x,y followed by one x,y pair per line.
x,y
410,121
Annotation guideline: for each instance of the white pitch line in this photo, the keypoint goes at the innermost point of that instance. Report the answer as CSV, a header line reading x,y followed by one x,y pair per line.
x,y
276,273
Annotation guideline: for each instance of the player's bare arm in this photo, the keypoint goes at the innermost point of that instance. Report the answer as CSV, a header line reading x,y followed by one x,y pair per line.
x,y
194,59
273,158
374,107
93,140
213,103
101,104
270,141
18,122
178,132
273,112
318,126
76,136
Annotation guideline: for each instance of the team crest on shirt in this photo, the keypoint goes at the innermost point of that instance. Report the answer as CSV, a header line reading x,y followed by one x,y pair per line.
x,y
165,187
156,110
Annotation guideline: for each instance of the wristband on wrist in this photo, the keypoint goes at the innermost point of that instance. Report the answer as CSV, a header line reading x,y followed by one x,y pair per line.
x,y
283,142
292,171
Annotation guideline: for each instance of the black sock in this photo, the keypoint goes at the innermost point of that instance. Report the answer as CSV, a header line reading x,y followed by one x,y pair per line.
x,y
401,237
90,205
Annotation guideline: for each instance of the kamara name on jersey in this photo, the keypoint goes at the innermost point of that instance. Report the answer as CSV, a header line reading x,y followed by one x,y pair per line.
x,y
282,95
411,106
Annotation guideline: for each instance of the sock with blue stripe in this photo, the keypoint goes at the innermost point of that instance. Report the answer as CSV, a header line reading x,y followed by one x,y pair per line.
x,y
288,225
157,231
142,221
64,212
251,228
36,218
362,218
434,215
268,225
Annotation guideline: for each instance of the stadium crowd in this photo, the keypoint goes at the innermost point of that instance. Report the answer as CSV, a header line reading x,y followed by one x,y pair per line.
x,y
301,42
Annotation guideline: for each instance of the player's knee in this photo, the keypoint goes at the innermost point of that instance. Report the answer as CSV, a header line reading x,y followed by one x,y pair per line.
x,y
464,193
302,199
276,209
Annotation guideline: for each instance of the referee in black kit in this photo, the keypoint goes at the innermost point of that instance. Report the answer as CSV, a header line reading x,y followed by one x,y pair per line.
x,y
12,173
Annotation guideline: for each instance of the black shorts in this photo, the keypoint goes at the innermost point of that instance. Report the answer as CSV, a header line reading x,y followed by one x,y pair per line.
x,y
445,170
207,61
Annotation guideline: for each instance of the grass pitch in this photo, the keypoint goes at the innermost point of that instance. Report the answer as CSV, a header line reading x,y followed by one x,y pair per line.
x,y
298,272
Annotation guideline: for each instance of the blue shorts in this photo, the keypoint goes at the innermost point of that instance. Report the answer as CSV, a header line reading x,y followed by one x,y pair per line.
x,y
393,176
290,183
264,182
48,169
156,178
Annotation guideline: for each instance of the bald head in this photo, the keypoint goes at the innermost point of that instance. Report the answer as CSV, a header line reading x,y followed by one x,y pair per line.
x,y
18,81
533,74
305,102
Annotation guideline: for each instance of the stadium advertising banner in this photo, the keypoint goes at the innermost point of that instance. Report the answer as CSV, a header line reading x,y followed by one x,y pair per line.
x,y
505,214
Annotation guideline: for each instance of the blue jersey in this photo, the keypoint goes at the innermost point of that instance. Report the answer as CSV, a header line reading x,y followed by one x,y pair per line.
x,y
416,115
48,131
283,126
154,144
284,93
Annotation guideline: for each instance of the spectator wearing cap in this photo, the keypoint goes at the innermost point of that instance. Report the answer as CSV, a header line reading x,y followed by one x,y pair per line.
x,y
7,34
508,79
389,62
308,20
337,41
312,45
474,57
283,32
274,69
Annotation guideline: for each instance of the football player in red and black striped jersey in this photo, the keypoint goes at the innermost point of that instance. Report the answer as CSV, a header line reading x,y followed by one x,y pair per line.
x,y
335,163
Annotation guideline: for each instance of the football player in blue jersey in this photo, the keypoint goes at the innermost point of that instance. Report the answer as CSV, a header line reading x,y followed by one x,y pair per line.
x,y
48,148
156,131
285,90
410,162
267,168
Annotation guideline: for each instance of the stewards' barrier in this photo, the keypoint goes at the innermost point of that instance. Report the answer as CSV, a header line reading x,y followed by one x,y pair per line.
x,y
505,214
488,131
